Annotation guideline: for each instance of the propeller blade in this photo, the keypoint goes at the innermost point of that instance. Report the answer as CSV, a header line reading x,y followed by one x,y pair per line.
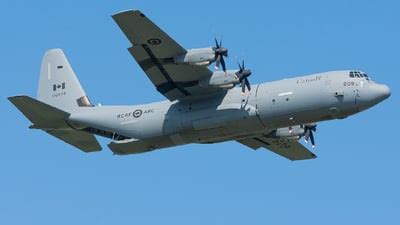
x,y
240,68
243,75
219,53
222,63
247,84
217,61
216,43
312,139
314,128
307,135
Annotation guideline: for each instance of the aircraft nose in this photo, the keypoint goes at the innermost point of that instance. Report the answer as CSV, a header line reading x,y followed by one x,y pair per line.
x,y
381,92
384,91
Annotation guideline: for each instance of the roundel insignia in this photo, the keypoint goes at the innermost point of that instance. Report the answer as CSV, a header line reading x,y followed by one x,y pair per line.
x,y
137,113
154,41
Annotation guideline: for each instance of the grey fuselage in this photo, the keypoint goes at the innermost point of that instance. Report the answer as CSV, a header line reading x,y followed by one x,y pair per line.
x,y
233,116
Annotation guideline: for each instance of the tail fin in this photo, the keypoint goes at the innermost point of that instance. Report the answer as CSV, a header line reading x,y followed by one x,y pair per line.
x,y
58,85
59,95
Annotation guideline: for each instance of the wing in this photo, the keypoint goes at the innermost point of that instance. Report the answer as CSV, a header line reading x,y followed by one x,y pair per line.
x,y
154,51
290,149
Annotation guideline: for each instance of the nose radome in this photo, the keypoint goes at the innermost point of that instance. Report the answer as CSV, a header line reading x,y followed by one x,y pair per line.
x,y
385,91
382,92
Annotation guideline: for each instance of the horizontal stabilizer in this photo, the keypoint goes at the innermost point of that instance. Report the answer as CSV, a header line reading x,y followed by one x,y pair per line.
x,y
79,139
53,121
40,114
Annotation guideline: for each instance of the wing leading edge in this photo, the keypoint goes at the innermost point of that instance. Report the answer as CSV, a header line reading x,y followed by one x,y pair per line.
x,y
154,51
290,149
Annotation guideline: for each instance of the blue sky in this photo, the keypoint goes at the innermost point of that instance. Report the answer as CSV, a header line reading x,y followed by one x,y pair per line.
x,y
354,180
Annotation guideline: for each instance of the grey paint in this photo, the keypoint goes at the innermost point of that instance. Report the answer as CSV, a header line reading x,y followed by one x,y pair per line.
x,y
205,107
58,78
266,112
231,116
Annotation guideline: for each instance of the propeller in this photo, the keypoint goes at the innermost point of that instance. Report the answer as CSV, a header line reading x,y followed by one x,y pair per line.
x,y
308,133
243,75
220,52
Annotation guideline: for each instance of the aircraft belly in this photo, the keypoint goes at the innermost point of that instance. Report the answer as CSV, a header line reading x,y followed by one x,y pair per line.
x,y
227,122
234,130
149,127
135,146
176,127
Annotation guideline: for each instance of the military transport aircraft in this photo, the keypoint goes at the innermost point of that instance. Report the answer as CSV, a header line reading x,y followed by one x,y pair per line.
x,y
203,106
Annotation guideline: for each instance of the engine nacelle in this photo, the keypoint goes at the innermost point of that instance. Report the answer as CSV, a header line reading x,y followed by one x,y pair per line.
x,y
294,132
197,56
222,80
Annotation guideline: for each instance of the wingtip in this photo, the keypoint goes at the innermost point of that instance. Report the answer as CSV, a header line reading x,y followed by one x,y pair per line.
x,y
10,98
126,11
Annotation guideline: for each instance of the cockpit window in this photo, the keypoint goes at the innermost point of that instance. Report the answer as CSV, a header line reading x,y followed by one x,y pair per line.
x,y
358,74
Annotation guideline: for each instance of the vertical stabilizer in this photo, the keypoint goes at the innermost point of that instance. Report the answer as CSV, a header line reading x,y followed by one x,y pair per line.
x,y
58,84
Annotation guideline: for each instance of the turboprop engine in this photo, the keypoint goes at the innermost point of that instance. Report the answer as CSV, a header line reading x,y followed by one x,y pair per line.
x,y
296,132
221,79
205,56
197,56
229,79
